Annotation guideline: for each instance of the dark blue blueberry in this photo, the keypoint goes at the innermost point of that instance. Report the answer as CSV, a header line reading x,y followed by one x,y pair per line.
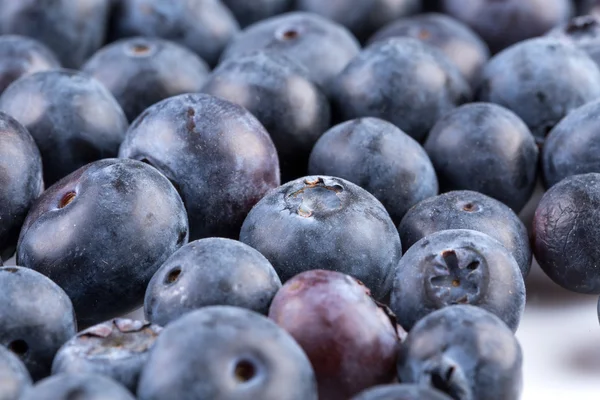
x,y
400,80
278,92
117,349
583,32
210,272
102,232
140,72
463,351
224,352
75,386
464,209
37,318
249,12
14,377
380,158
401,392
217,154
328,223
73,119
485,148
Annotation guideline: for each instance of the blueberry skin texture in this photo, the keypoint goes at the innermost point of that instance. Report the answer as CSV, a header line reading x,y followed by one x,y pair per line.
x,y
73,119
322,46
466,352
325,222
140,72
34,326
21,180
78,385
203,26
380,158
14,377
485,148
583,32
72,29
217,154
541,80
387,80
249,12
210,272
278,92
117,349
224,352
101,233
465,209
566,235
401,392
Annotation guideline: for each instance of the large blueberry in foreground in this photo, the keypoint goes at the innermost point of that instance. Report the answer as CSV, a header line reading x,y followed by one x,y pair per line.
x,y
14,377
102,232
77,386
401,392
224,352
249,12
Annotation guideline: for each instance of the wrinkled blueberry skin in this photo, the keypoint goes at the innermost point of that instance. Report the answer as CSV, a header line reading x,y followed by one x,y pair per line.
x,y
325,222
249,12
458,266
387,80
401,392
566,234
20,180
14,377
485,148
37,318
210,272
278,92
465,209
101,233
205,26
72,29
224,352
219,157
350,340
541,80
78,386
583,32
380,158
457,41
140,72
73,119
117,349
323,47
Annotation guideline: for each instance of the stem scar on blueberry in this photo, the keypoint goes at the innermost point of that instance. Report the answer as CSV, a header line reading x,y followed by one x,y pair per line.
x,y
66,199
173,275
244,371
288,34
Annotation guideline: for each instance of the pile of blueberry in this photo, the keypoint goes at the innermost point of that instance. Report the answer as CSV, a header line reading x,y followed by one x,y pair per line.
x,y
311,199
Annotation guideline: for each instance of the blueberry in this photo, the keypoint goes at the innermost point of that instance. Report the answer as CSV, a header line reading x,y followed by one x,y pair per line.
x,y
204,26
76,386
20,180
14,377
350,340
102,232
278,92
465,352
541,80
464,209
140,72
379,157
400,80
224,352
73,119
325,222
37,318
485,148
217,154
566,240
117,349
320,45
213,271
401,392
583,32
249,12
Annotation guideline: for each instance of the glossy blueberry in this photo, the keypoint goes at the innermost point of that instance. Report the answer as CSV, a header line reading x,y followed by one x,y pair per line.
x,y
320,45
485,148
351,341
583,32
20,180
210,272
278,92
401,392
328,223
380,158
73,119
14,377
400,80
249,12
37,318
102,232
465,209
117,348
217,154
224,352
75,386
140,72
